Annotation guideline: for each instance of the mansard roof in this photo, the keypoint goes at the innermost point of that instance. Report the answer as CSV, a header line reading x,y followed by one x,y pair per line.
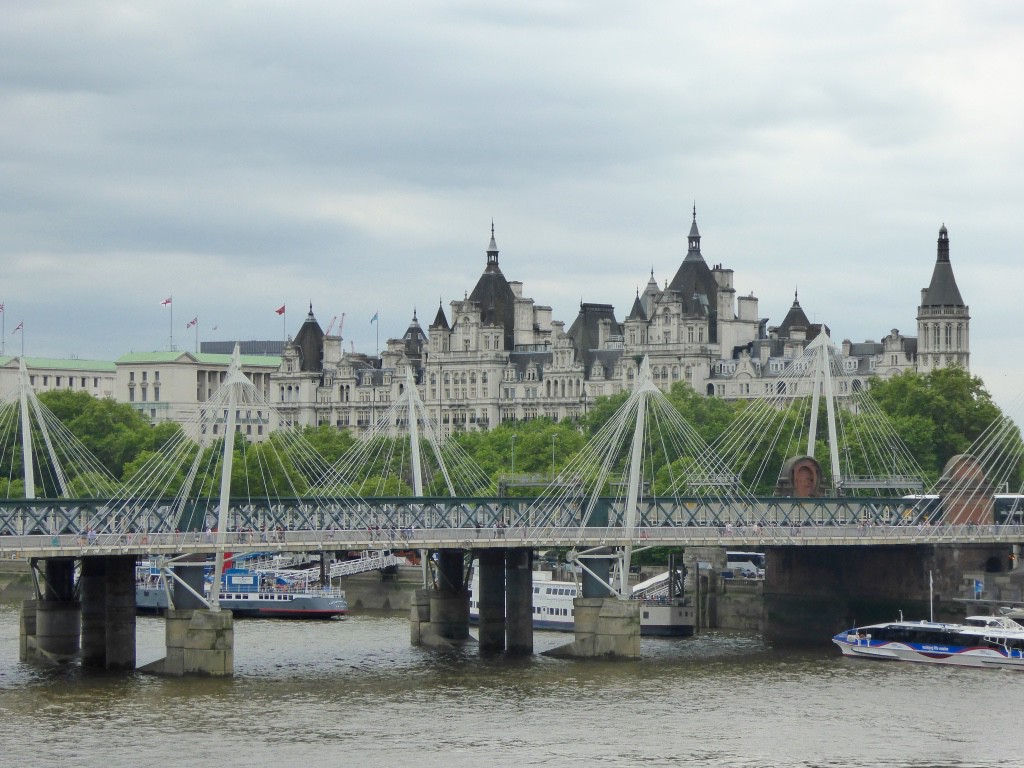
x,y
585,334
494,296
942,291
310,343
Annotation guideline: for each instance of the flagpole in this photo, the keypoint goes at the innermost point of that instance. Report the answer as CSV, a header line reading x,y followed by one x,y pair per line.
x,y
197,335
170,327
377,315
3,329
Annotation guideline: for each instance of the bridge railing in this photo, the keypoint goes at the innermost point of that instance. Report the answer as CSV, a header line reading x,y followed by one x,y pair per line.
x,y
311,540
267,518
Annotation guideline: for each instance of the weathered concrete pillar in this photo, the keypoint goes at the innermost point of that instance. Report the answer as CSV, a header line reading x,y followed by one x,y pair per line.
x,y
449,603
519,600
605,628
200,643
27,645
119,589
491,599
419,616
94,612
58,614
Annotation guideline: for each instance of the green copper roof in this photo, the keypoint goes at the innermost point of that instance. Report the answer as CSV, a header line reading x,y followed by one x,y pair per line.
x,y
68,364
204,358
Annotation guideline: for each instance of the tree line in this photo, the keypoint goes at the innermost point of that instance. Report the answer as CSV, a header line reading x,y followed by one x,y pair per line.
x,y
937,415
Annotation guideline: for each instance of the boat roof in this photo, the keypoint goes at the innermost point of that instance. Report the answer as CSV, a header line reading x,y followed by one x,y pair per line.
x,y
972,625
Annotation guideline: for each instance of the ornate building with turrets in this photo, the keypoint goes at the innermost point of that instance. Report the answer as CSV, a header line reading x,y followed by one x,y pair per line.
x,y
498,356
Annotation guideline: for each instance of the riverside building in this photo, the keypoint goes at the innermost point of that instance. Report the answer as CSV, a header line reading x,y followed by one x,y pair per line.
x,y
496,355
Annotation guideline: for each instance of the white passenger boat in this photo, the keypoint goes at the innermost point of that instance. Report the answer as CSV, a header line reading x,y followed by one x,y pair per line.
x,y
980,641
253,594
553,608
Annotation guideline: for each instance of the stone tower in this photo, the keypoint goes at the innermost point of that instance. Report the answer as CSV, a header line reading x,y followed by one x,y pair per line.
x,y
943,320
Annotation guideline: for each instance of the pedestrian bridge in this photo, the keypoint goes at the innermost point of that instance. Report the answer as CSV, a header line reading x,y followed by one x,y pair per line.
x,y
62,528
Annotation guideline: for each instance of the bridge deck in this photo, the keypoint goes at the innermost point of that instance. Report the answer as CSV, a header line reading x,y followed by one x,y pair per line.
x,y
740,537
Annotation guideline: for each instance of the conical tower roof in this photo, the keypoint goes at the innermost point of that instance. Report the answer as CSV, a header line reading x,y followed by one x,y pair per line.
x,y
310,341
942,291
494,296
440,321
795,318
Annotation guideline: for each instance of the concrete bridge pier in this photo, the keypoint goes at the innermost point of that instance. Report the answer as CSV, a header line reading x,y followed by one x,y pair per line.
x,y
606,626
440,616
57,629
813,592
92,591
491,600
449,603
107,589
200,641
519,600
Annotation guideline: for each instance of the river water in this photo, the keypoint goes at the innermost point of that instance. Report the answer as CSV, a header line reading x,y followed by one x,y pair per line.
x,y
353,692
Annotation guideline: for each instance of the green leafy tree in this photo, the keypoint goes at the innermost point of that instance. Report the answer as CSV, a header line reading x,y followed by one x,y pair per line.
x,y
938,414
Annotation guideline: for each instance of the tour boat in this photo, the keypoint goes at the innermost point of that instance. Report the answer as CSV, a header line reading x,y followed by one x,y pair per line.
x,y
252,594
553,608
980,641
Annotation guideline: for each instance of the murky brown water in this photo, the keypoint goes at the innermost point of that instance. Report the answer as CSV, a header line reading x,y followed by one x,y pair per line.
x,y
353,692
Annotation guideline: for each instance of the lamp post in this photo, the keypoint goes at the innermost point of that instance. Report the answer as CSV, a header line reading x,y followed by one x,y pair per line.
x,y
553,438
513,473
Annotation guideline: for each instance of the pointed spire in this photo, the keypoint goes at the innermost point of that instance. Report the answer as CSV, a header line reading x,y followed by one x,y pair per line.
x,y
943,290
492,250
943,250
693,249
440,321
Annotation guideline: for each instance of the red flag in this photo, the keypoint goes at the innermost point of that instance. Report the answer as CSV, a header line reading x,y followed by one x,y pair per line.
x,y
21,326
192,322
165,302
280,310
1,307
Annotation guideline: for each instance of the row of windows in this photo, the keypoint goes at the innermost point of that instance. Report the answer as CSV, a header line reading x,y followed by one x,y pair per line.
x,y
59,381
945,332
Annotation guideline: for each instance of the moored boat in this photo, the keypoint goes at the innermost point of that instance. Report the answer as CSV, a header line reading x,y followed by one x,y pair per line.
x,y
251,594
980,641
553,608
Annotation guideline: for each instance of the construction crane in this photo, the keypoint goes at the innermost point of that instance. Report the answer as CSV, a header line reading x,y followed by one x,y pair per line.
x,y
341,324
330,325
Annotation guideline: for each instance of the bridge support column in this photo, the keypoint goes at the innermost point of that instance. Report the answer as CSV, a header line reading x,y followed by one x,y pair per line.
x,y
107,589
419,616
449,603
491,600
606,627
200,643
94,612
519,600
58,615
27,632
119,618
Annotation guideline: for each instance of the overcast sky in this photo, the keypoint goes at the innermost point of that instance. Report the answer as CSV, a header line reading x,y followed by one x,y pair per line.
x,y
240,156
